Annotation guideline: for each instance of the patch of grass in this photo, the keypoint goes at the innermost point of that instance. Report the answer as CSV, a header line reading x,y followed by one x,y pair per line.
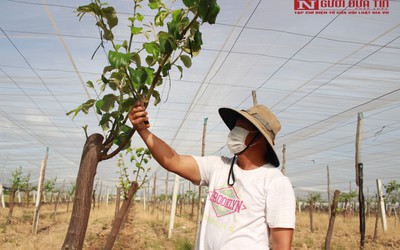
x,y
27,217
307,241
3,228
338,246
184,244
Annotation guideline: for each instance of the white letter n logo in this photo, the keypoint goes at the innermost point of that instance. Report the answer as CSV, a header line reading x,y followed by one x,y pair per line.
x,y
306,5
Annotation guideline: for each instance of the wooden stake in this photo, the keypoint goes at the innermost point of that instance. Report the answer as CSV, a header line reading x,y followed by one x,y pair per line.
x,y
377,211
3,205
284,159
99,195
328,181
254,94
58,199
358,146
39,193
199,205
360,179
173,208
154,193
107,195
144,198
332,217
381,204
166,197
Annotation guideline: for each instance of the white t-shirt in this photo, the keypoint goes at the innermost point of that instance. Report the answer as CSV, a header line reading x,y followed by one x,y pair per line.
x,y
238,217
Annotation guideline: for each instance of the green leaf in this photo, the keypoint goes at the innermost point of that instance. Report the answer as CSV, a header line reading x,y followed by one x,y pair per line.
x,y
104,121
156,96
160,17
139,17
138,76
108,35
136,30
108,69
156,4
186,61
213,12
150,60
136,59
152,48
87,105
109,102
110,15
99,104
150,75
167,42
102,87
177,15
165,69
173,29
90,84
208,10
118,59
90,8
125,45
190,3
75,111
104,79
180,70
128,103
193,46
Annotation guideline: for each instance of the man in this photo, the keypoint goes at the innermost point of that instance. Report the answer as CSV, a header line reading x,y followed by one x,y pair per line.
x,y
251,204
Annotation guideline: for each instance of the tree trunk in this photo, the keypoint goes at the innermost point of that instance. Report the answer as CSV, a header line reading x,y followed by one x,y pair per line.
x,y
376,222
59,198
10,212
312,216
27,198
121,216
94,199
83,194
68,201
117,202
332,219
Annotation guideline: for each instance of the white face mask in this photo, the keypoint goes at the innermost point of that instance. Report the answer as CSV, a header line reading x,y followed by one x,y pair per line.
x,y
236,139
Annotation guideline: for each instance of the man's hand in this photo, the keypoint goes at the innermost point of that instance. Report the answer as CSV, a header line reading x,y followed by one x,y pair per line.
x,y
138,116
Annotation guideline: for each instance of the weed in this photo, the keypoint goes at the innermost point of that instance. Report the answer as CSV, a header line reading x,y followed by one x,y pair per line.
x,y
184,244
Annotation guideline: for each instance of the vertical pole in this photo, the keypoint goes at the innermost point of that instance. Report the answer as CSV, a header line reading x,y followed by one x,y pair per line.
x,y
284,159
154,193
3,205
144,198
19,197
166,197
360,178
107,195
328,181
199,205
254,95
59,197
173,208
381,204
39,193
99,195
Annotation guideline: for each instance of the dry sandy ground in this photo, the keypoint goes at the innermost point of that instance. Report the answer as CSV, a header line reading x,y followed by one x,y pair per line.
x,y
147,230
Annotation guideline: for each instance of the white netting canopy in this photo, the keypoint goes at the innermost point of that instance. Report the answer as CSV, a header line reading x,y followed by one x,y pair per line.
x,y
315,72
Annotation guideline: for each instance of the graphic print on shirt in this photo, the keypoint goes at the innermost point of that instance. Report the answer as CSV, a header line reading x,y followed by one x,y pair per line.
x,y
225,201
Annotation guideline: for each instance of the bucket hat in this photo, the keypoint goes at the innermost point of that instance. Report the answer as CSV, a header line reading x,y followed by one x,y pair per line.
x,y
261,117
